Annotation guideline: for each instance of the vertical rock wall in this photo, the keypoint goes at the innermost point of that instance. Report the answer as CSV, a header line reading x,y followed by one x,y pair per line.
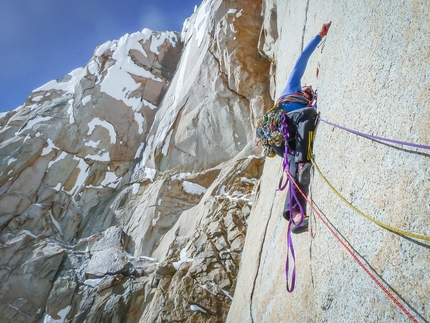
x,y
373,78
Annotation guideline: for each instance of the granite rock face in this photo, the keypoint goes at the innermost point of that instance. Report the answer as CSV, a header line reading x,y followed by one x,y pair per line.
x,y
373,76
131,189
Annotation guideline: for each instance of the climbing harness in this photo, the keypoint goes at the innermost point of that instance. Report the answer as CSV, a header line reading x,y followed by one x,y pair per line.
x,y
295,97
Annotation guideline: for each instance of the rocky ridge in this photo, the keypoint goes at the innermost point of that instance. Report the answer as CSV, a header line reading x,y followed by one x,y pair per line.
x,y
112,209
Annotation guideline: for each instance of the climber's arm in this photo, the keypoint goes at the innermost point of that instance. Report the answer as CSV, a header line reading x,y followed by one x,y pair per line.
x,y
294,81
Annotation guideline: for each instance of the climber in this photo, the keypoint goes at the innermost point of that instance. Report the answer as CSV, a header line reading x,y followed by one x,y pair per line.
x,y
297,100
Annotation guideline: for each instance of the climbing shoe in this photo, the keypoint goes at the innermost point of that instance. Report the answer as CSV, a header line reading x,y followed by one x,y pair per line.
x,y
304,177
303,227
286,215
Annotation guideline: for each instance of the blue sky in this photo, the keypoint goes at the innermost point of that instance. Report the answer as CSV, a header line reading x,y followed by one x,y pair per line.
x,y
43,40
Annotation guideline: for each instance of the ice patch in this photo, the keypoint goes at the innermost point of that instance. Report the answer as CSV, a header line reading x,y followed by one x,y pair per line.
x,y
149,104
103,48
226,294
150,173
37,98
33,106
252,181
33,122
182,258
222,190
50,147
56,224
185,27
154,220
31,234
147,33
93,282
167,122
92,144
148,258
123,70
70,112
166,145
10,161
135,189
110,180
86,99
196,308
180,176
238,195
69,86
147,150
93,67
102,123
62,156
158,40
139,150
62,314
102,156
193,188
140,120
202,22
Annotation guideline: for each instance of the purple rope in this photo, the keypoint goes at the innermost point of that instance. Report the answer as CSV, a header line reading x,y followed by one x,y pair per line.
x,y
377,137
287,263
292,195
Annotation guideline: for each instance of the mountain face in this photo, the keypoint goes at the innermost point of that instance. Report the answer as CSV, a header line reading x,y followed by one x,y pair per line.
x,y
131,190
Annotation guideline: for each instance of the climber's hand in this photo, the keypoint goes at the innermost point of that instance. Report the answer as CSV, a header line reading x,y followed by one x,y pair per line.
x,y
324,29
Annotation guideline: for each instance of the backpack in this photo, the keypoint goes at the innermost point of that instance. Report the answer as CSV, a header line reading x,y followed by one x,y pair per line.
x,y
273,129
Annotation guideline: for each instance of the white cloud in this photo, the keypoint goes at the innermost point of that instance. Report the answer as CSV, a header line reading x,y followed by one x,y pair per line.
x,y
154,18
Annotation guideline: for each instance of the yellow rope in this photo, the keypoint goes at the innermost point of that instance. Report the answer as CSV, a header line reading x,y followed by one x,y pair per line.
x,y
413,235
310,143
